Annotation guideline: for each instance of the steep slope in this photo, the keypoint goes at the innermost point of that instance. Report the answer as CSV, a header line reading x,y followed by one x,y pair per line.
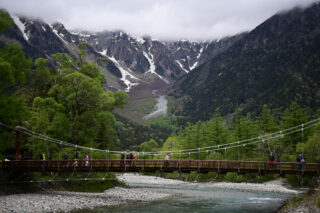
x,y
38,39
276,63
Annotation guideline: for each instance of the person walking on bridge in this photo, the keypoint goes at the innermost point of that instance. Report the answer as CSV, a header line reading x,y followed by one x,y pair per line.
x,y
87,160
134,157
76,156
122,159
65,159
271,160
301,160
167,160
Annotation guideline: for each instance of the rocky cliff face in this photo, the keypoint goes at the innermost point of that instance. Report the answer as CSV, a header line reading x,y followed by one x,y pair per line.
x,y
147,58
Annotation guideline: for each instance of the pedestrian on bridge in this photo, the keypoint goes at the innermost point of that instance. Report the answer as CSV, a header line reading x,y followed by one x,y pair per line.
x,y
122,159
65,159
43,158
167,160
271,160
301,159
84,159
129,158
76,156
87,159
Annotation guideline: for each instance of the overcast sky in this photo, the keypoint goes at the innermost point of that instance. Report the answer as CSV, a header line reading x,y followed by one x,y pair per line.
x,y
162,19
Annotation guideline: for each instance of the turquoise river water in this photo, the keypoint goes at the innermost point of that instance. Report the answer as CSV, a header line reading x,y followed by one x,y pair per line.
x,y
201,199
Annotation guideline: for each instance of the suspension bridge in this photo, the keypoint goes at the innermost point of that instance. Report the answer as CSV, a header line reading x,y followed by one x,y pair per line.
x,y
144,165
156,165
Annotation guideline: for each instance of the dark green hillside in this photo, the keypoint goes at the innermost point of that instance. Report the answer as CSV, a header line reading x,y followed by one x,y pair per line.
x,y
275,64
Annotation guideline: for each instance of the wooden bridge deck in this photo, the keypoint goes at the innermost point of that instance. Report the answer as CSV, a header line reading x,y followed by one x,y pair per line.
x,y
183,166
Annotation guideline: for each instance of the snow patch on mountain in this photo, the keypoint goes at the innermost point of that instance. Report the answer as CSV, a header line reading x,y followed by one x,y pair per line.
x,y
181,66
194,65
127,78
151,63
59,35
198,56
140,40
21,26
152,66
126,75
104,52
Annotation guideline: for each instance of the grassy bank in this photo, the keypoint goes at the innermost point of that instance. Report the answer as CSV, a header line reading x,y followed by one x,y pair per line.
x,y
11,183
304,202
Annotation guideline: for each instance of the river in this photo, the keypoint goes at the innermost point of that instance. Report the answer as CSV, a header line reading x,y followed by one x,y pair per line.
x,y
204,198
161,107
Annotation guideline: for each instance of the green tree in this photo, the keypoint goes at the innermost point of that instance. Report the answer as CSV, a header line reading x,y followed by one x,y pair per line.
x,y
14,68
47,117
41,79
293,116
82,52
267,121
311,148
5,21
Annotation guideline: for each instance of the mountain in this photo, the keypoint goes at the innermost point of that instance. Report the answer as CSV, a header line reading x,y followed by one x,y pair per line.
x,y
276,63
133,61
147,58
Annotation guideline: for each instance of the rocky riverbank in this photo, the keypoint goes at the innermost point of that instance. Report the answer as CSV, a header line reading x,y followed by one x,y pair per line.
x,y
68,201
307,202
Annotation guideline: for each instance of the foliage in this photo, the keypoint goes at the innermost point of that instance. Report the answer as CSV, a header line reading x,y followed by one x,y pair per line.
x,y
14,69
67,102
216,132
149,146
5,21
132,134
75,108
312,146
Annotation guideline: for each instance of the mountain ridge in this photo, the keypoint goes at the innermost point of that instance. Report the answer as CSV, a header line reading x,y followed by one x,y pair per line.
x,y
274,64
133,60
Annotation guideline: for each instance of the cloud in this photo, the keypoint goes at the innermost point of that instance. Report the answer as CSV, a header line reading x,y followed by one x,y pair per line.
x,y
163,19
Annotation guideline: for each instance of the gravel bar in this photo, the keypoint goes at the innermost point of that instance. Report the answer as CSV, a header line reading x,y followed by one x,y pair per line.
x,y
67,201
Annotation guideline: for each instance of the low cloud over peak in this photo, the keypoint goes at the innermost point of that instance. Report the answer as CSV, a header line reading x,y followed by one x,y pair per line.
x,y
163,19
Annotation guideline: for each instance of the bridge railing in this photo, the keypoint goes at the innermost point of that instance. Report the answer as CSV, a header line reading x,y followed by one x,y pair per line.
x,y
171,165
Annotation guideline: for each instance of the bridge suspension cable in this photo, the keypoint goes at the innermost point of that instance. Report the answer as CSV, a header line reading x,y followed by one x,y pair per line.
x,y
198,150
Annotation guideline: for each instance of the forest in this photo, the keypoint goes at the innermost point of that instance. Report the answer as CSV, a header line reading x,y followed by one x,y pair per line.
x,y
63,98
